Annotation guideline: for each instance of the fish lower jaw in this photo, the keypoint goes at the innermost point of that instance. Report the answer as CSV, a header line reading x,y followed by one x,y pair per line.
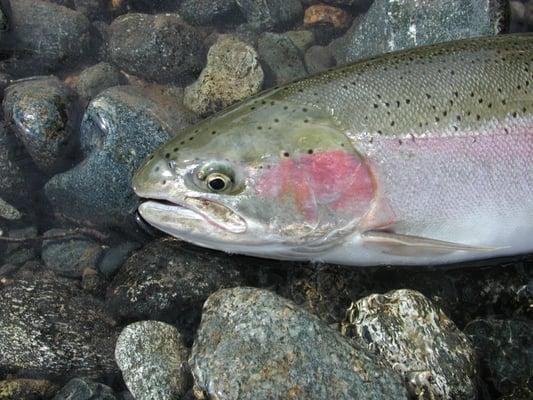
x,y
193,215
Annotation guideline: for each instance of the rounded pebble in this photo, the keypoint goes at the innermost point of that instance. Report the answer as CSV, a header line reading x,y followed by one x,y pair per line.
x,y
253,344
153,359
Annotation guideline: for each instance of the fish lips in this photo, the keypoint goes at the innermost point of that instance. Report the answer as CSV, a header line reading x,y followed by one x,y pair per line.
x,y
191,212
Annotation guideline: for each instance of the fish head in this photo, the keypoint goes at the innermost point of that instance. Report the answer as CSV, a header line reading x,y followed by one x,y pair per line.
x,y
268,177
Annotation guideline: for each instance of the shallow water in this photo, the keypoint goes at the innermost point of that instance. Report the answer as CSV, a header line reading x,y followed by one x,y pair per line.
x,y
90,88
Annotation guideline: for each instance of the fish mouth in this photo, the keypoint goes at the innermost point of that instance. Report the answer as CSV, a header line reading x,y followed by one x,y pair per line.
x,y
192,210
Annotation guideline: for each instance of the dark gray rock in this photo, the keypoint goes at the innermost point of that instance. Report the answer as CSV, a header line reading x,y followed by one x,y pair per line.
x,y
47,31
282,60
120,128
26,389
13,183
505,351
84,389
48,327
168,280
96,79
153,359
41,111
253,344
115,257
232,73
18,253
418,340
394,25
70,257
271,14
208,12
160,47
318,59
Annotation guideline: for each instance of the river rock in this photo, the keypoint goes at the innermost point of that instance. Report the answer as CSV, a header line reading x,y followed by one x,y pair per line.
x,y
41,110
271,14
282,60
318,59
26,389
505,350
49,32
417,340
13,186
253,344
120,128
85,389
161,47
96,79
208,12
70,257
48,327
153,359
391,25
232,73
169,280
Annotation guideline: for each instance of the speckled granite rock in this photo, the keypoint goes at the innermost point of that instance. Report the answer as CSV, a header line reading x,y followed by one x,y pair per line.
x,y
26,389
169,280
48,327
417,340
42,113
84,389
253,344
160,47
207,12
70,257
121,126
13,183
232,74
153,359
394,25
270,14
97,78
46,30
283,61
505,350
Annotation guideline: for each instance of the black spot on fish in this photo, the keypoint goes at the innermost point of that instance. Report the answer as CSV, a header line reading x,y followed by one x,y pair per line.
x,y
310,151
167,155
286,154
175,149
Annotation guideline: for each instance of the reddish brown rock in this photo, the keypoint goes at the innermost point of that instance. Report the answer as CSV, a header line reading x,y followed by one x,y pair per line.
x,y
324,14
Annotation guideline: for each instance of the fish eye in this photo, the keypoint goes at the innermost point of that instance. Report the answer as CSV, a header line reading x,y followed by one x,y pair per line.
x,y
218,182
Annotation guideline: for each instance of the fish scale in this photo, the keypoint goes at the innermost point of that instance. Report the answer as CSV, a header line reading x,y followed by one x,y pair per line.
x,y
432,85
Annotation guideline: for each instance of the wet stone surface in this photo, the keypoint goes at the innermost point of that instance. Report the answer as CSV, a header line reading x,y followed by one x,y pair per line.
x,y
41,111
159,47
282,59
96,79
69,257
505,349
49,327
153,359
404,328
232,73
121,126
44,30
13,183
85,389
254,344
169,281
391,25
26,389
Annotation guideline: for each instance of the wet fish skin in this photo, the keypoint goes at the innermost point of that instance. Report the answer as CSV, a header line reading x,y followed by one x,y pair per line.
x,y
432,145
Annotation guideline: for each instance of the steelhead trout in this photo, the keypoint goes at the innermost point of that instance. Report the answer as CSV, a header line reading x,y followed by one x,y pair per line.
x,y
422,156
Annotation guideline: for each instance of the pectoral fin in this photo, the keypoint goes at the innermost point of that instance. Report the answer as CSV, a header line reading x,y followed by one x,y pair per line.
x,y
407,245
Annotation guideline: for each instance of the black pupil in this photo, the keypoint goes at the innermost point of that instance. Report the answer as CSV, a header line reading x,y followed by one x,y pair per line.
x,y
217,184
